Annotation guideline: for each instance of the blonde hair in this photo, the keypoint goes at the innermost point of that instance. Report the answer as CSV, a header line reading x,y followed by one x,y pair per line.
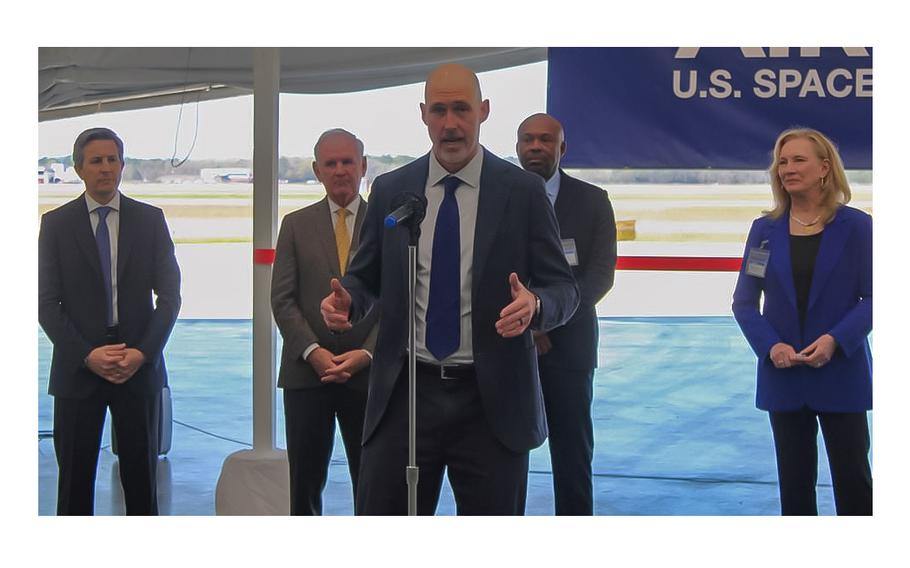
x,y
835,188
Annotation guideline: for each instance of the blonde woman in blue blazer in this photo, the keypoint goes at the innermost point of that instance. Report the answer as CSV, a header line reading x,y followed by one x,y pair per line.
x,y
810,257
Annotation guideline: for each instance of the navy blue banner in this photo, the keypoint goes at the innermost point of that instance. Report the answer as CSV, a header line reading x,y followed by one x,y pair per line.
x,y
709,107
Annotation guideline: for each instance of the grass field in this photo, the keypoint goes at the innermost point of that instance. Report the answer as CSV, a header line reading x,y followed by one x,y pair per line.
x,y
212,226
682,213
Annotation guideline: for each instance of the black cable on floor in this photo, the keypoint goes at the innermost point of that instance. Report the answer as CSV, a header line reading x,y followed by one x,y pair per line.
x,y
46,434
207,433
49,434
706,480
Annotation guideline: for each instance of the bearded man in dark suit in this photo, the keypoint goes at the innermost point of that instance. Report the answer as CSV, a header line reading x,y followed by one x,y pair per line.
x,y
489,268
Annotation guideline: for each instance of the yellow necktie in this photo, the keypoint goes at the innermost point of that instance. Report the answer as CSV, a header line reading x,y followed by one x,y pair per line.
x,y
342,239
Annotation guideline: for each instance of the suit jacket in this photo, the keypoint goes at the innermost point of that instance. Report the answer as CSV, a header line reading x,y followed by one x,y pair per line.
x,y
840,304
585,215
71,298
516,232
306,259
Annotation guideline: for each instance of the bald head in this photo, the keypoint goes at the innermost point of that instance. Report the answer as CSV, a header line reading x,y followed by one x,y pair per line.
x,y
453,110
541,144
451,78
538,120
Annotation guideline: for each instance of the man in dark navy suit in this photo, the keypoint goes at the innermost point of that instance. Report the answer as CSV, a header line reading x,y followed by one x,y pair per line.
x,y
489,269
108,297
568,354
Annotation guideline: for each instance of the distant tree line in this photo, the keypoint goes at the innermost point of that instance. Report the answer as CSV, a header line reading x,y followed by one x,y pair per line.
x,y
293,169
300,170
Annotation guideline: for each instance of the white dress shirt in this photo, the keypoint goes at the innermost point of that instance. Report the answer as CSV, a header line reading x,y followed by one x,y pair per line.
x,y
113,226
352,208
350,220
467,196
553,187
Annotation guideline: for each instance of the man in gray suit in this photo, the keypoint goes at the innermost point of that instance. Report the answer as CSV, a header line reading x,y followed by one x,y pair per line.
x,y
324,375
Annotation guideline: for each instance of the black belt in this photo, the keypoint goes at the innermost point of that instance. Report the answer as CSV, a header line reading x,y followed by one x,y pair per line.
x,y
447,371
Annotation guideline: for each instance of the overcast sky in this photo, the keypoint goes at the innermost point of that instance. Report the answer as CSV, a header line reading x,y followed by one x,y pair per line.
x,y
387,120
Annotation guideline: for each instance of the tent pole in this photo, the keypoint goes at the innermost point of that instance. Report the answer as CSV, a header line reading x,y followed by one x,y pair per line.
x,y
266,75
256,482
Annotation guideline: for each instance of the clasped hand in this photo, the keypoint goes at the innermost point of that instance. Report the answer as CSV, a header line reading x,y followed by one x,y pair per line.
x,y
333,368
817,354
115,363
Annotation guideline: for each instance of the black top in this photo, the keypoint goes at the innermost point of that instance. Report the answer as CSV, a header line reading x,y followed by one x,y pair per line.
x,y
803,250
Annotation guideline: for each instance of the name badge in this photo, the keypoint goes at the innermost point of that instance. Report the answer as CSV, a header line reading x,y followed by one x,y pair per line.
x,y
568,248
757,261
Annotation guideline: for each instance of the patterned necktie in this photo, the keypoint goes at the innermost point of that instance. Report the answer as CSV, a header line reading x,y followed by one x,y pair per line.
x,y
103,242
443,334
342,239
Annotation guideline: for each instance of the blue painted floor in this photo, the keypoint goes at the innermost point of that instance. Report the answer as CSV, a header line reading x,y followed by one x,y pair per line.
x,y
676,429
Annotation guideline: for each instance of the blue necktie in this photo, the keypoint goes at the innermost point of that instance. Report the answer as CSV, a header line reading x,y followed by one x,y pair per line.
x,y
103,241
444,305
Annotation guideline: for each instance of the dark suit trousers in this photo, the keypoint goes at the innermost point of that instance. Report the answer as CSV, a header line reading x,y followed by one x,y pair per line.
x,y
452,435
78,426
846,436
309,417
567,395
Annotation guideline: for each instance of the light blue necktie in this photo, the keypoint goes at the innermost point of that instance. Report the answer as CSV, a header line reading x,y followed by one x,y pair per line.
x,y
103,241
444,304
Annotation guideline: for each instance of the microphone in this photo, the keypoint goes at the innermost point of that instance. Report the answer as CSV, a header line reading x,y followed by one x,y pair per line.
x,y
407,209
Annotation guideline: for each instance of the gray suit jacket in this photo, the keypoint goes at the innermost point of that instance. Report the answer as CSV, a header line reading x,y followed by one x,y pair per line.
x,y
306,259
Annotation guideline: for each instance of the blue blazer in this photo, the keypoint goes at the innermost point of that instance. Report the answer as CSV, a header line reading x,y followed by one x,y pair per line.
x,y
515,231
840,304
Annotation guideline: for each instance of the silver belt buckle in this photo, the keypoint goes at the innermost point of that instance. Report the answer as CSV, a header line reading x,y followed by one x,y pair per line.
x,y
442,374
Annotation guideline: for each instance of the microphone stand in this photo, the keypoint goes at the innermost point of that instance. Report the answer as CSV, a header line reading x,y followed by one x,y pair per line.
x,y
412,471
409,209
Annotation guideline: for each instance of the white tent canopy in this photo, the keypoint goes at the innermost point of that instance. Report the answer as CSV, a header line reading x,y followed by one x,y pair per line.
x,y
86,80
81,81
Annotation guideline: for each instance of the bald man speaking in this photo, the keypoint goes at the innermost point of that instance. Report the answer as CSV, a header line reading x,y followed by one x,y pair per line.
x,y
490,269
